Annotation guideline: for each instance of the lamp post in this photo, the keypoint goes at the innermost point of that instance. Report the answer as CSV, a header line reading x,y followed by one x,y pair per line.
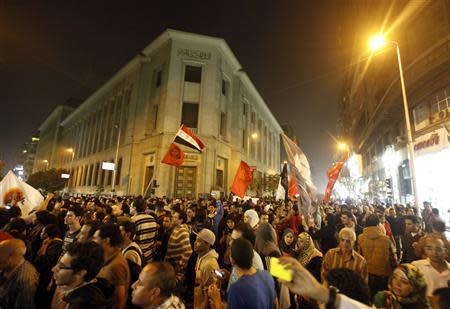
x,y
46,164
376,43
117,127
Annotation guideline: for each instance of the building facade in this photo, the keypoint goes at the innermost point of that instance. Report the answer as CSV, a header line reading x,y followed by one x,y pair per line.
x,y
180,78
371,111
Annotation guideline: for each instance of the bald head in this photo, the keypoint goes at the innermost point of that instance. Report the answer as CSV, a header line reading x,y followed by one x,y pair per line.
x,y
13,247
12,253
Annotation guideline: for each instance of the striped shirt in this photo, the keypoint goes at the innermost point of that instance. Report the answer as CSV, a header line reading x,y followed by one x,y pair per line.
x,y
179,249
335,259
145,234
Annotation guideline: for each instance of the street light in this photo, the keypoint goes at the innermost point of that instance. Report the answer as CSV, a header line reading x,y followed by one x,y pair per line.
x,y
255,135
342,146
376,43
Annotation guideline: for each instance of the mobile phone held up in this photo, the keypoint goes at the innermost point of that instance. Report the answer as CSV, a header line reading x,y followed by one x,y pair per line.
x,y
279,271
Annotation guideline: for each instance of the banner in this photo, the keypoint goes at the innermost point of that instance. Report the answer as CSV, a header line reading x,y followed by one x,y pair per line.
x,y
174,156
301,171
242,180
12,187
333,174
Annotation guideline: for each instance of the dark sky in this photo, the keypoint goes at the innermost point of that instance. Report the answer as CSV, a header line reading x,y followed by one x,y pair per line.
x,y
51,51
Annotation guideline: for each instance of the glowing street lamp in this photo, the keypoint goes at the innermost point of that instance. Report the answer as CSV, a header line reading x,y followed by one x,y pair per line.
x,y
376,43
46,164
255,135
342,146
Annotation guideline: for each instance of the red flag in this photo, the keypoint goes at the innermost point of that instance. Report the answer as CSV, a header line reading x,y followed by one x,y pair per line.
x,y
296,140
333,174
187,138
293,190
175,156
242,180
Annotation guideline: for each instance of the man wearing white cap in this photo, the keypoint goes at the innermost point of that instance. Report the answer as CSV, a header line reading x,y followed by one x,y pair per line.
x,y
205,266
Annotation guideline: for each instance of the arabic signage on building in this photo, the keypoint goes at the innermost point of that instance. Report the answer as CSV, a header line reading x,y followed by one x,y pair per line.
x,y
432,142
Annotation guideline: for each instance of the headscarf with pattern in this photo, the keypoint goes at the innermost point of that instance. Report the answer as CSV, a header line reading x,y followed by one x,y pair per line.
x,y
308,249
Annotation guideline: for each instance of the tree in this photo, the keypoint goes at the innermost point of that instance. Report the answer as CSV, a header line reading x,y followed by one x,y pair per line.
x,y
49,180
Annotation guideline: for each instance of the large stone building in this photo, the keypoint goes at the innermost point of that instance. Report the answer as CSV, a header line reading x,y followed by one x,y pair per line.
x,y
371,105
180,78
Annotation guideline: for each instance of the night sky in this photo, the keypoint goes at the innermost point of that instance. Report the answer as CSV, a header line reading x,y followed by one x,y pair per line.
x,y
53,51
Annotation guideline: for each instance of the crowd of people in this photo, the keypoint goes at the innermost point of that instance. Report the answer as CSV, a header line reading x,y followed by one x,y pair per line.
x,y
135,252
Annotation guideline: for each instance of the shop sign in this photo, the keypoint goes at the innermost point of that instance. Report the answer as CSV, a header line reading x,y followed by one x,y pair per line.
x,y
195,54
434,141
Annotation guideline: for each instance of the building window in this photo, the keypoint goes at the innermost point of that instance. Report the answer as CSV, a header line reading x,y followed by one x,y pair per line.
x,y
155,111
244,109
253,117
219,179
223,123
224,87
244,139
189,115
158,79
193,74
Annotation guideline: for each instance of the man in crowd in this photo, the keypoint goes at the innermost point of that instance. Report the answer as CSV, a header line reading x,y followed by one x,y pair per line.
x,y
434,268
130,249
253,289
76,271
18,278
87,231
245,231
205,266
155,287
72,220
344,256
348,220
145,229
115,267
179,247
379,253
412,235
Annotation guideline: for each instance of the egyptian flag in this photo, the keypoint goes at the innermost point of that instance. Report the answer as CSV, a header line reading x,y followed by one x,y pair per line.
x,y
187,138
283,185
175,156
333,174
242,180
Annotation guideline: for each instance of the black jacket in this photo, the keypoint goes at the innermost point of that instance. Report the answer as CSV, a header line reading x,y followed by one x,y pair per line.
x,y
98,294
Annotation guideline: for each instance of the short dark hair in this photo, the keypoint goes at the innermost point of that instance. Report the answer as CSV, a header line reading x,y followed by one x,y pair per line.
x,y
438,225
444,296
413,218
77,210
129,227
247,232
372,220
112,232
86,256
181,214
165,278
349,283
139,204
15,211
242,253
52,230
93,227
348,214
44,217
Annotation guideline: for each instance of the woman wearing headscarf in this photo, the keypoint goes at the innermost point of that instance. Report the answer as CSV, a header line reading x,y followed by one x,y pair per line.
x,y
251,217
288,242
307,254
406,290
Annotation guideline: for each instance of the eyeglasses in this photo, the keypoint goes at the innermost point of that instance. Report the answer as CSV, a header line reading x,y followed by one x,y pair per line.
x,y
62,266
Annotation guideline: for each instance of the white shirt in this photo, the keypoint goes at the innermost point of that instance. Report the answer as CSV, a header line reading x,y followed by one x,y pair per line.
x,y
433,278
348,303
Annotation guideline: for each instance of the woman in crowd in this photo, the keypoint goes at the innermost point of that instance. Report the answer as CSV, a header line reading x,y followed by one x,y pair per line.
x,y
407,290
307,254
251,217
288,242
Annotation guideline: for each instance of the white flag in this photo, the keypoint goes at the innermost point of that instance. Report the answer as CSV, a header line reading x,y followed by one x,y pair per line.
x,y
281,192
11,186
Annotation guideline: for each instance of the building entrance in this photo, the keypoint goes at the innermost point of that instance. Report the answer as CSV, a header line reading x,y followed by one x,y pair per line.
x,y
185,181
